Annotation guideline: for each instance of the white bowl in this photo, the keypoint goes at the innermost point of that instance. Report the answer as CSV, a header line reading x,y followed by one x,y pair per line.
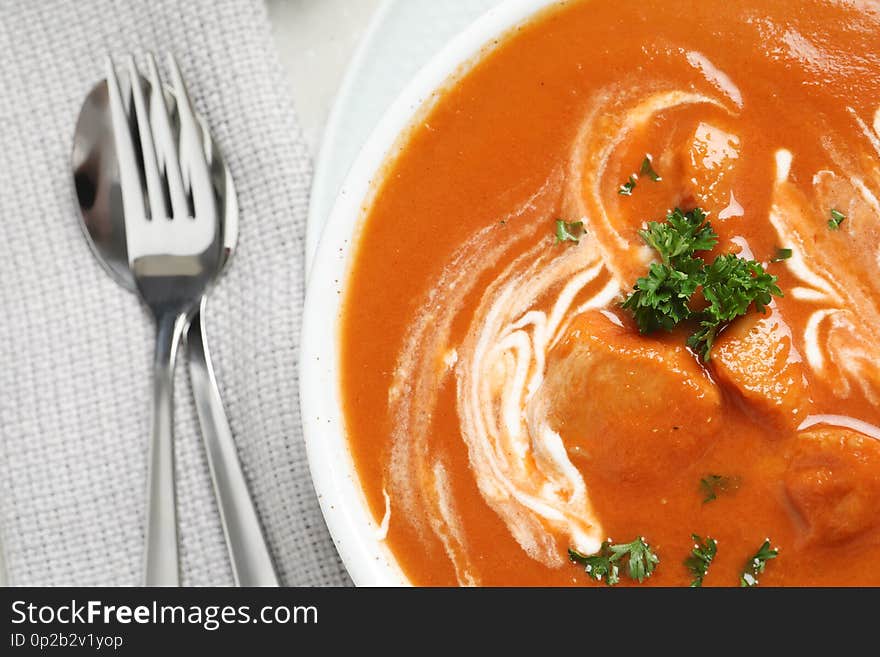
x,y
368,559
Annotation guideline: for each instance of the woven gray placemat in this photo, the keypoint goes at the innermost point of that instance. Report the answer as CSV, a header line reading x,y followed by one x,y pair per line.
x,y
76,350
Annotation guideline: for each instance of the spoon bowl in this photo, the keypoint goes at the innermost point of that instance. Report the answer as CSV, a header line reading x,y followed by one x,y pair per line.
x,y
98,190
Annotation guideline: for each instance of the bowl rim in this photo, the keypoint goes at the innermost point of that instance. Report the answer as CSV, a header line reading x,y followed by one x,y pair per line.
x,y
357,536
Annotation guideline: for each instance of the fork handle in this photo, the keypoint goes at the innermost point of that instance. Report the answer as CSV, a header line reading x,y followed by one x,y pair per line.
x,y
161,555
248,554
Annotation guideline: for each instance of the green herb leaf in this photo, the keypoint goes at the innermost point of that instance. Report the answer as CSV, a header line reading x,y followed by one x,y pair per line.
x,y
837,218
680,236
712,485
781,254
640,561
700,558
648,169
569,231
661,298
626,189
756,565
598,566
730,285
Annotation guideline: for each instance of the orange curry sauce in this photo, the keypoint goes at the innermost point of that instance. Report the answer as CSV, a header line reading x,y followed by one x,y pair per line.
x,y
748,109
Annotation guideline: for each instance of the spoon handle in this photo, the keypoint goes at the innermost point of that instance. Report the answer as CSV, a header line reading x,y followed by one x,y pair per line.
x,y
161,558
248,552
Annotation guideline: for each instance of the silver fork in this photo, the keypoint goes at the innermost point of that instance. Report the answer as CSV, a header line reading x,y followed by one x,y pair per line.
x,y
173,237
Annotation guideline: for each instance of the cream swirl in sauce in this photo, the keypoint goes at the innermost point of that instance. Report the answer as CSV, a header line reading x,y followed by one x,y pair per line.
x,y
519,463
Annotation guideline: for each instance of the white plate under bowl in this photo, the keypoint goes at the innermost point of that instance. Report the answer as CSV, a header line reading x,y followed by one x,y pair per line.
x,y
368,559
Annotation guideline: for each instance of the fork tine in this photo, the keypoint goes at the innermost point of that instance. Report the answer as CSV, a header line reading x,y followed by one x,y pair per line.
x,y
129,171
155,193
166,149
192,150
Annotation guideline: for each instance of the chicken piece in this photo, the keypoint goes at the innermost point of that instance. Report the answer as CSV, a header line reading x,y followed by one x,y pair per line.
x,y
631,406
755,355
709,159
833,482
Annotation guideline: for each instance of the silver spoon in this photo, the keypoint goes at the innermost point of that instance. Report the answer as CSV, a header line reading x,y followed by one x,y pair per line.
x,y
96,178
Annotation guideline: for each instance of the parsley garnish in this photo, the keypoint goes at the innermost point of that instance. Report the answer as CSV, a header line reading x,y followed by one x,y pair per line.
x,y
603,565
713,484
626,189
781,254
730,284
569,231
598,566
641,561
700,558
837,218
648,169
755,566
677,238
